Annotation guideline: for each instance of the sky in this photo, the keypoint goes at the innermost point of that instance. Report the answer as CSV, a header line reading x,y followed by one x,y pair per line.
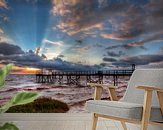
x,y
81,34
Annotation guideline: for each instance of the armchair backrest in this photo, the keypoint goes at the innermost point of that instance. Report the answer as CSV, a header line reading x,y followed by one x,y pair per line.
x,y
143,77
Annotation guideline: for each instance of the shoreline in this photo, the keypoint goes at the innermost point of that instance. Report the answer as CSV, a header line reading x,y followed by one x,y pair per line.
x,y
76,103
74,96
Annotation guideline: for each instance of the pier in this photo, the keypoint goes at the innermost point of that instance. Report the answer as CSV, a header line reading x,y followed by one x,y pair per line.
x,y
75,77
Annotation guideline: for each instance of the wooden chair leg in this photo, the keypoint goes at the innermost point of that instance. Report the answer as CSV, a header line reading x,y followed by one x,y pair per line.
x,y
160,98
94,122
98,93
124,125
113,95
146,110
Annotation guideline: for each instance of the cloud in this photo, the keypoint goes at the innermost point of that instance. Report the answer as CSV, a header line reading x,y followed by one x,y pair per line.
x,y
60,56
125,26
59,64
133,46
4,18
10,53
5,39
112,36
154,65
161,50
140,60
72,29
109,59
82,49
58,43
80,15
117,36
1,31
10,49
143,59
125,19
3,4
149,39
26,59
154,17
115,54
147,19
30,59
98,45
121,64
127,46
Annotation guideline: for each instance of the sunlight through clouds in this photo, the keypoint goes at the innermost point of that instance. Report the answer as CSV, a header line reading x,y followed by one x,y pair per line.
x,y
58,43
85,32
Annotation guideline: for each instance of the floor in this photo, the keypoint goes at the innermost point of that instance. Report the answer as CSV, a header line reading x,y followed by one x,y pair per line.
x,y
54,121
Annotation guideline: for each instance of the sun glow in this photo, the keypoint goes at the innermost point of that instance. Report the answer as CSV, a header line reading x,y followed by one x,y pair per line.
x,y
24,70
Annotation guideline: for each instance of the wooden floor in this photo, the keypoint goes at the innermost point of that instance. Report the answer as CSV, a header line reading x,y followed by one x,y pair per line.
x,y
53,121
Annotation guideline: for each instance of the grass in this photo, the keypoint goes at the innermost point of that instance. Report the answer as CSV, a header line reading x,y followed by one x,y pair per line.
x,y
41,105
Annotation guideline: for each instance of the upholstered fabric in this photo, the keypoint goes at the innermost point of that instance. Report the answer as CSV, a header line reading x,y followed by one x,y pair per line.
x,y
144,77
131,105
125,110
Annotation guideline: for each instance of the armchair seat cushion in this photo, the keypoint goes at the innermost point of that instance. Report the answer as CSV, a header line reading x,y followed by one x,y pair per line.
x,y
131,111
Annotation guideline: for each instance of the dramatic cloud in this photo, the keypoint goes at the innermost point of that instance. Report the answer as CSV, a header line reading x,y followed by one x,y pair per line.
x,y
149,39
143,59
115,54
127,46
98,45
58,43
26,59
140,60
3,4
125,26
59,64
5,39
32,60
145,20
83,31
14,54
83,49
154,18
109,59
1,31
61,56
126,19
9,49
79,15
154,65
112,36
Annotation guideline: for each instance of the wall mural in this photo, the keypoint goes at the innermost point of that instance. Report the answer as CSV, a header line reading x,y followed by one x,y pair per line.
x,y
57,46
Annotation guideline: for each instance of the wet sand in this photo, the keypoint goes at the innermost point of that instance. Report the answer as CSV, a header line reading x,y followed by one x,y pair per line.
x,y
74,96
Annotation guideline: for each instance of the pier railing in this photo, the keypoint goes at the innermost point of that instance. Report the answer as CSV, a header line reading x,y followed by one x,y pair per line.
x,y
74,77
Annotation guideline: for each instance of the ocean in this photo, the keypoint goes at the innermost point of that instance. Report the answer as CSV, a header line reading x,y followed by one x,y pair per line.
x,y
74,96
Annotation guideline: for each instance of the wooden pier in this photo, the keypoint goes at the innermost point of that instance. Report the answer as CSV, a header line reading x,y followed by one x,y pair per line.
x,y
75,77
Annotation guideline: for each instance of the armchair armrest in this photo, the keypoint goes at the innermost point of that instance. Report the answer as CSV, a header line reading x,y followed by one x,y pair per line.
x,y
148,100
99,88
147,88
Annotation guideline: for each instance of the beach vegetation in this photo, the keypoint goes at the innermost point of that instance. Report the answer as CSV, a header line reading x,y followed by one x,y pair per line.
x,y
20,98
41,105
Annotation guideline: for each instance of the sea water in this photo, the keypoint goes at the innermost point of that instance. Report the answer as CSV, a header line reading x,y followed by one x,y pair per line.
x,y
75,96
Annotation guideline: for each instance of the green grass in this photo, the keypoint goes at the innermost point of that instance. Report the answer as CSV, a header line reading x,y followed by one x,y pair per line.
x,y
41,105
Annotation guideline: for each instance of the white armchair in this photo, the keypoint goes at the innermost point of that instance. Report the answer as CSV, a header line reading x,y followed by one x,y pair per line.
x,y
137,106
